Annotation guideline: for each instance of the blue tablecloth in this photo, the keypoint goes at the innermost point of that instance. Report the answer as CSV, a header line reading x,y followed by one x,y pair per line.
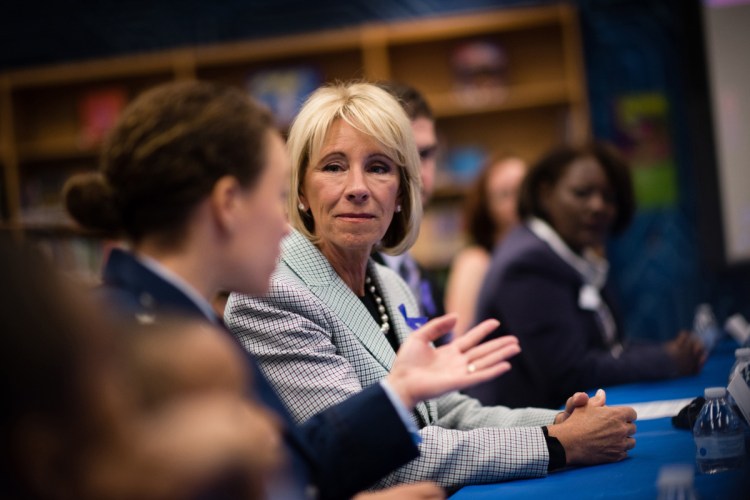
x,y
657,443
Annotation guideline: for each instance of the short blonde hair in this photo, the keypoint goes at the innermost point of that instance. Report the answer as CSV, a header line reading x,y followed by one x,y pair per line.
x,y
376,113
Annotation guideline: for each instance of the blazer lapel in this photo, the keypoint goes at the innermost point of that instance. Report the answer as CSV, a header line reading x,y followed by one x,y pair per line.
x,y
398,303
313,268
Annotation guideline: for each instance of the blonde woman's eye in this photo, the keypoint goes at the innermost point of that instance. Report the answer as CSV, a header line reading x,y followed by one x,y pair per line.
x,y
332,167
380,168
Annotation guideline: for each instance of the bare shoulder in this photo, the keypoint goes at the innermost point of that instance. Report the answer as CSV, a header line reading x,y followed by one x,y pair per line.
x,y
473,259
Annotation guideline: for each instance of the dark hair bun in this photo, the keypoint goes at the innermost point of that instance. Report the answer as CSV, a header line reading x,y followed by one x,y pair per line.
x,y
90,201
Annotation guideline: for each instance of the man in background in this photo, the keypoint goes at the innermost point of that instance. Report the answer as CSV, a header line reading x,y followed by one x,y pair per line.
x,y
423,284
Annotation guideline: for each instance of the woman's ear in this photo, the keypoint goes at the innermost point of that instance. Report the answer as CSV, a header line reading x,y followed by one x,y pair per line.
x,y
225,200
303,202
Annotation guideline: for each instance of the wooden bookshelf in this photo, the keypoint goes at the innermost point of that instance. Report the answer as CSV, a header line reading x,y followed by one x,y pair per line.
x,y
542,102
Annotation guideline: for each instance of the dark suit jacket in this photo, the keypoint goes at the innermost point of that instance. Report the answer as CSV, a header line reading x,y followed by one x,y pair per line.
x,y
340,451
534,293
431,292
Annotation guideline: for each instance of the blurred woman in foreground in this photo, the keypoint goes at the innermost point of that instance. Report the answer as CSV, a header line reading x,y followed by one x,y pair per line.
x,y
73,427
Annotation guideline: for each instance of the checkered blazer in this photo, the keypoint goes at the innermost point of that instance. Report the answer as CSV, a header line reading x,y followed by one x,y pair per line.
x,y
318,344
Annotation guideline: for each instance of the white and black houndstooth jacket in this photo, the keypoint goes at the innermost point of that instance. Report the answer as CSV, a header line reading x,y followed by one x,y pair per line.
x,y
318,344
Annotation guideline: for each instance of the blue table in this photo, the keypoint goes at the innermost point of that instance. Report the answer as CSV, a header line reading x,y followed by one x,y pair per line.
x,y
657,443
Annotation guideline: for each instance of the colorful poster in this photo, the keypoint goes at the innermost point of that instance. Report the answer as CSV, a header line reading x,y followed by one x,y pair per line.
x,y
643,135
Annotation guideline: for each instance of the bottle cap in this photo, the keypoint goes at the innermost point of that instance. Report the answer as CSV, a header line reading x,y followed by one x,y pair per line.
x,y
714,392
742,352
675,475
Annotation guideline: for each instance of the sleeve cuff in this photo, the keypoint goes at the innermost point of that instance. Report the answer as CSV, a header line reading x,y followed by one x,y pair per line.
x,y
403,413
557,458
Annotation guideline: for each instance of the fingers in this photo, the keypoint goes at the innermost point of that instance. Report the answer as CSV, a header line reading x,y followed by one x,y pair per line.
x,y
476,334
424,490
629,444
599,399
496,356
627,413
436,328
488,360
630,429
576,400
477,353
487,373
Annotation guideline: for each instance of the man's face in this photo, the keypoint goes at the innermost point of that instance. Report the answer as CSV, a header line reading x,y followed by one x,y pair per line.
x,y
424,136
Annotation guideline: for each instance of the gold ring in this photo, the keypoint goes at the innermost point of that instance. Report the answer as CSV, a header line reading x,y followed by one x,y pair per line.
x,y
471,368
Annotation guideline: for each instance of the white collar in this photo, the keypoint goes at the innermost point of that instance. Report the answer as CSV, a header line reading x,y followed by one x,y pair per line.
x,y
592,267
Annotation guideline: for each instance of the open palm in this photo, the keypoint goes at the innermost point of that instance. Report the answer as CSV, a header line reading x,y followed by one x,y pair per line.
x,y
422,371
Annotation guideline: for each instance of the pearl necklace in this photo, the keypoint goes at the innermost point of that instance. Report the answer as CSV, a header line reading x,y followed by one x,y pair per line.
x,y
385,326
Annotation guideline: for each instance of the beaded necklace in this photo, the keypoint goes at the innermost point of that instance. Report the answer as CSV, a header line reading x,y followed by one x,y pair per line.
x,y
385,325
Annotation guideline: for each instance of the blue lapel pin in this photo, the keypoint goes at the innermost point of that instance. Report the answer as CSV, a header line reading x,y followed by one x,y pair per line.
x,y
413,323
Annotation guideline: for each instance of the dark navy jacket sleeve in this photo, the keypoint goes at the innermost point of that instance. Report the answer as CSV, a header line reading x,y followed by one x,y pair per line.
x,y
349,446
359,441
340,451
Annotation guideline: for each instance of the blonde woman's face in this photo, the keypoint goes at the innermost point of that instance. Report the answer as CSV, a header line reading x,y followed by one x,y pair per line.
x,y
351,190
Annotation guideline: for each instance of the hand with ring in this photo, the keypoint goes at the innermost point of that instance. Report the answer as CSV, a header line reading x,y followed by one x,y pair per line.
x,y
422,371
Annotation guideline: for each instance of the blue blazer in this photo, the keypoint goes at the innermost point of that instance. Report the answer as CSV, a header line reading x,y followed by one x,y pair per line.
x,y
534,293
339,451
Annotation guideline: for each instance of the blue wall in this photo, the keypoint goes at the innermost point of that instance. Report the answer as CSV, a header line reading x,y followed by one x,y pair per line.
x,y
661,263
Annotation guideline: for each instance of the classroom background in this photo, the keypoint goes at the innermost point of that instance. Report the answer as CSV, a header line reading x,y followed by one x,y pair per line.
x,y
633,72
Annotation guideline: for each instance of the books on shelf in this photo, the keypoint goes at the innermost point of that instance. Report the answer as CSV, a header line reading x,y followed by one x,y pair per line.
x,y
284,89
98,111
479,71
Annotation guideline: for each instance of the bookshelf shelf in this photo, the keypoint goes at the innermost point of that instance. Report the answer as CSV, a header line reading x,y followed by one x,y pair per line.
x,y
53,117
451,104
52,149
51,229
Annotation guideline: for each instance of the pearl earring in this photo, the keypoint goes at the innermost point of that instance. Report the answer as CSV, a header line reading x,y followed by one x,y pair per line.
x,y
301,206
398,209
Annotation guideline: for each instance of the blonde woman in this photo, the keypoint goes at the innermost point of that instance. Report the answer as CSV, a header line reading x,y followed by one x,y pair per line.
x,y
333,320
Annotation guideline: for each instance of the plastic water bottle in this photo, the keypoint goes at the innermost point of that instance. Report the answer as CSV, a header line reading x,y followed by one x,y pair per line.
x,y
741,356
739,387
675,482
738,327
719,437
705,327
